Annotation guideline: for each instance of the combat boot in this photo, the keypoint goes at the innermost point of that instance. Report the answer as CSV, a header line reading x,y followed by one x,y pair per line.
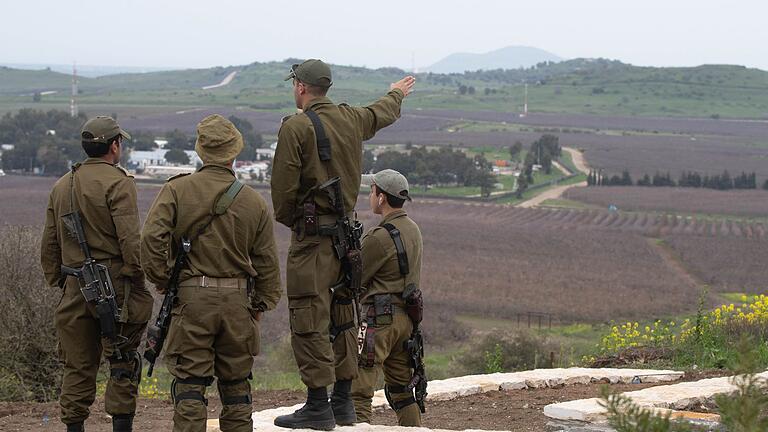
x,y
122,423
315,414
341,403
76,427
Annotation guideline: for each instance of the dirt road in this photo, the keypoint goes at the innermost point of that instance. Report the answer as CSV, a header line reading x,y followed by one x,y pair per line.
x,y
228,79
557,192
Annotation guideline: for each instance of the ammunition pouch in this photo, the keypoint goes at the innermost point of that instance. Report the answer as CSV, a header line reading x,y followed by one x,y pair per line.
x,y
382,305
414,303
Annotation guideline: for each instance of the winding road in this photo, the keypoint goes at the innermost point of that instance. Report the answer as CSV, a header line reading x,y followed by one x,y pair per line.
x,y
557,192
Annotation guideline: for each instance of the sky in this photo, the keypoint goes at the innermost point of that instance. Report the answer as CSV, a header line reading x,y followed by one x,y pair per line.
x,y
192,33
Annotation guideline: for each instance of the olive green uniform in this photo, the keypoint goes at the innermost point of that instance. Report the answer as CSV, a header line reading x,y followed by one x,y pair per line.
x,y
214,331
381,276
105,195
312,267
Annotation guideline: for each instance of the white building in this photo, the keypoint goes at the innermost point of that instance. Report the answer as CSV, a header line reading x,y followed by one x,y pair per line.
x,y
141,159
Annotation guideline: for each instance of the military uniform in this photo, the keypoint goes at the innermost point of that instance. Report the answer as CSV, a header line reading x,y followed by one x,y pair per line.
x,y
214,330
388,324
105,196
312,267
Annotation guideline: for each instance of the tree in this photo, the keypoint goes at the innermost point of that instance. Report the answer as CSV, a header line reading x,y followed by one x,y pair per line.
x,y
368,161
515,149
471,90
252,140
179,140
177,156
462,89
36,97
765,185
142,141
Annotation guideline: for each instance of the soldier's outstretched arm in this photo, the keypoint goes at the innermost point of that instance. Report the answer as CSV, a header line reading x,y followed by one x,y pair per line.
x,y
156,237
50,250
122,201
386,110
286,171
264,260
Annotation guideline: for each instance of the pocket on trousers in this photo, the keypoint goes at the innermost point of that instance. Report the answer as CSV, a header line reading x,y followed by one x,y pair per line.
x,y
175,339
300,310
301,268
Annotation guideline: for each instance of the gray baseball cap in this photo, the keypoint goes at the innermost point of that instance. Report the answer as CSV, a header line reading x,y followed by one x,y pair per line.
x,y
390,181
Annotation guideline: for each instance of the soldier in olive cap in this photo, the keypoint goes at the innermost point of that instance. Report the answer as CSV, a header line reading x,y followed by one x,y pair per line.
x,y
104,194
305,159
231,278
388,325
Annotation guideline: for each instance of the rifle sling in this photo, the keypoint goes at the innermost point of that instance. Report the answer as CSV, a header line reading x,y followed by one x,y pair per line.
x,y
323,143
402,257
222,205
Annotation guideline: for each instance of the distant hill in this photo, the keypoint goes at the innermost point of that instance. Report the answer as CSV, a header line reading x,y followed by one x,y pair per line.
x,y
511,57
581,86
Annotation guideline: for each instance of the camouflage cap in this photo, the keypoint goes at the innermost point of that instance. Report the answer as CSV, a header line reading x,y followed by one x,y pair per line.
x,y
313,72
390,181
218,140
100,129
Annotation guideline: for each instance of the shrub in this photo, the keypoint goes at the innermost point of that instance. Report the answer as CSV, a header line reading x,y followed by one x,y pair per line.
x,y
29,366
509,352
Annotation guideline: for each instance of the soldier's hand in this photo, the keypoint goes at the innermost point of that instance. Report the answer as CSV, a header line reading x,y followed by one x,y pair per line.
x,y
405,85
257,315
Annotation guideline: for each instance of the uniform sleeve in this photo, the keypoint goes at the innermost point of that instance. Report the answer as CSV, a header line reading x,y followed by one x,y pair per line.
x,y
156,237
263,254
122,203
380,114
374,257
286,172
50,251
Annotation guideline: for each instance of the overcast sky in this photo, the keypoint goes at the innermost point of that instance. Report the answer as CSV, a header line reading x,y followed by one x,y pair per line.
x,y
193,33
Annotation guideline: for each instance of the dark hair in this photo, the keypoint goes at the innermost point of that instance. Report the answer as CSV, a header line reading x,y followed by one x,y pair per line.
x,y
94,149
392,200
315,90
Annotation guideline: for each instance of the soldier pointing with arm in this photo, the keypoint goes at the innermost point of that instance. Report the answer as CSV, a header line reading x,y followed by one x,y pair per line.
x,y
319,145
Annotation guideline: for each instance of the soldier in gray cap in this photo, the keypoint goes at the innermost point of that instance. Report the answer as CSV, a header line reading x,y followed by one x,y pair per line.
x,y
322,143
391,271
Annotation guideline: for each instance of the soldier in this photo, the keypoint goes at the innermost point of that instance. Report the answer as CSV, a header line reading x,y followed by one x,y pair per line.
x,y
104,194
308,155
231,278
388,325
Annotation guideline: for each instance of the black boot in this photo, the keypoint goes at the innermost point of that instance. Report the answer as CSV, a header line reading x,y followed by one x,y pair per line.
x,y
343,408
315,414
76,427
122,423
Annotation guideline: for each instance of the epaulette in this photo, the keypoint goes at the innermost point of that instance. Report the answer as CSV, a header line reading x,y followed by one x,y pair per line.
x,y
344,104
173,177
124,171
285,119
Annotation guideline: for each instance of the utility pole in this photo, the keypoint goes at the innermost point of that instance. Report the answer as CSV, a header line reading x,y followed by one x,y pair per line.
x,y
73,101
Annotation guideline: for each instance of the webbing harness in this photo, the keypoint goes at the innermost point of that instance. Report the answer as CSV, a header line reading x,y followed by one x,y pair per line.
x,y
367,360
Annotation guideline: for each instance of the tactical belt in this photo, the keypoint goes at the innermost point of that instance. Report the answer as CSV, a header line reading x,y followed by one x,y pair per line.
x,y
205,281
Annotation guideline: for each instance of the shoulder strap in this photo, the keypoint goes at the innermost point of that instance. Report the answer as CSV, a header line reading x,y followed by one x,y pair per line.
x,y
323,143
222,204
402,257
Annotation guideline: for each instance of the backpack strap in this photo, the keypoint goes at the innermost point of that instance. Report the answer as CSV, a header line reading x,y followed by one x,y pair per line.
x,y
402,257
222,204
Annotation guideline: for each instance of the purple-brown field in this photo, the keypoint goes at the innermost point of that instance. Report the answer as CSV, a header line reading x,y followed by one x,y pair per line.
x,y
746,203
500,261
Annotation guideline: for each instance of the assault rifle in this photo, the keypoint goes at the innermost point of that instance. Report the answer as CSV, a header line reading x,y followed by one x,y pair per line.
x,y
156,333
95,284
345,235
414,346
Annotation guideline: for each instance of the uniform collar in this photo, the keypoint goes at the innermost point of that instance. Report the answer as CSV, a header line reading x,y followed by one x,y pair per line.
x,y
216,167
392,216
317,101
93,161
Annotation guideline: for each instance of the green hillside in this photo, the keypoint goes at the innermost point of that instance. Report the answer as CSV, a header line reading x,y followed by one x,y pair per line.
x,y
586,86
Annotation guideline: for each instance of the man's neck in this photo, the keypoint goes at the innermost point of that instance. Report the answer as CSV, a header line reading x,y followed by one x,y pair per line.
x,y
385,212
